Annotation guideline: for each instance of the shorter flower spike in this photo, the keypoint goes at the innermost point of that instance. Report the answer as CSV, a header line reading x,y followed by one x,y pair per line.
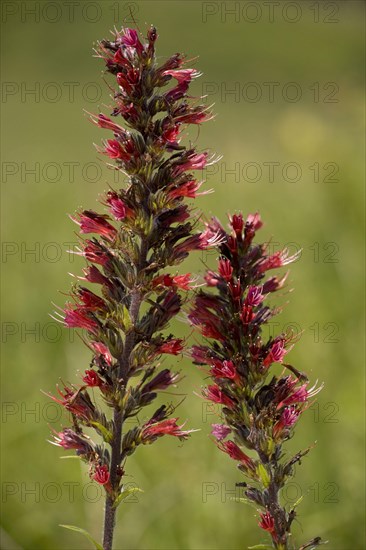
x,y
259,408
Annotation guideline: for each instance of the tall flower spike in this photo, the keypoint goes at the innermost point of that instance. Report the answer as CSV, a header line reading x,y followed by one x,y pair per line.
x,y
147,228
259,409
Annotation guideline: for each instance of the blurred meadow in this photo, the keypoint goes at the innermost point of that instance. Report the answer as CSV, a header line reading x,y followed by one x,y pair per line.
x,y
287,81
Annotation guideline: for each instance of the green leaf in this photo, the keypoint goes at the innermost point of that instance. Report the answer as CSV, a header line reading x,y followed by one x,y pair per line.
x,y
297,502
85,533
126,494
107,435
245,501
260,547
263,475
127,322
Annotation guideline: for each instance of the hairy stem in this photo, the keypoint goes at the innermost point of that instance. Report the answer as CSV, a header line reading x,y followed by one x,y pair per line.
x,y
280,535
110,509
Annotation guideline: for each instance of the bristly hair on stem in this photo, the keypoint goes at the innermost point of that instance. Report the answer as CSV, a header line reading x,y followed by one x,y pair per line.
x,y
148,228
259,409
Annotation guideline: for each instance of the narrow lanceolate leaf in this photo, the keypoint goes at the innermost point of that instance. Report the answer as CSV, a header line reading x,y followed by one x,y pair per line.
x,y
125,494
97,546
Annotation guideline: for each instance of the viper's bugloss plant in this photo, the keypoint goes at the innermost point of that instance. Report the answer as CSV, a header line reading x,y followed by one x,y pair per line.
x,y
259,409
148,227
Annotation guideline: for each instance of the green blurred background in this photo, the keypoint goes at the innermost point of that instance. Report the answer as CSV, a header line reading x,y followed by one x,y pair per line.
x,y
311,116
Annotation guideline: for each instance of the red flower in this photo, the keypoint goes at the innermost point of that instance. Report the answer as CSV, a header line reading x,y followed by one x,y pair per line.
x,y
92,379
246,314
211,278
301,395
90,300
177,93
178,281
68,439
75,402
101,474
225,269
93,275
102,351
215,394
252,224
91,222
254,297
194,161
232,449
79,318
151,432
131,39
114,150
193,116
278,259
237,223
104,122
276,353
188,189
267,522
224,369
200,354
274,283
172,347
182,75
288,418
94,253
171,134
118,207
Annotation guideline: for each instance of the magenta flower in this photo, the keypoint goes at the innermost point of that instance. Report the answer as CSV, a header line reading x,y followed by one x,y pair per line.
x,y
276,353
220,431
254,297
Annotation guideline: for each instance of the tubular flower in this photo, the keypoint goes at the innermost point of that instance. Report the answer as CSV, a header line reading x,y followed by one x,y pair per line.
x,y
101,475
267,522
260,408
91,222
152,431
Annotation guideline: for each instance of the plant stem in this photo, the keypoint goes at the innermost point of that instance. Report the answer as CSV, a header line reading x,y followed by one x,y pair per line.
x,y
279,516
110,510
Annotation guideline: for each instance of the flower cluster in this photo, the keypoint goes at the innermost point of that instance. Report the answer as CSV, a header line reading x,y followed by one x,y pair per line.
x,y
147,227
259,409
